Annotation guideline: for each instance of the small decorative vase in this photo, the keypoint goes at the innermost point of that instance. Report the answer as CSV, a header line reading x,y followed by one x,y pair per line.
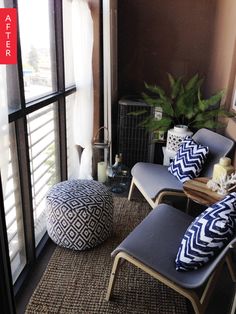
x,y
175,137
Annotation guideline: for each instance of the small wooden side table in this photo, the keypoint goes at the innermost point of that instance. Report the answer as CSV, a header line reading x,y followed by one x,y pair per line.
x,y
197,191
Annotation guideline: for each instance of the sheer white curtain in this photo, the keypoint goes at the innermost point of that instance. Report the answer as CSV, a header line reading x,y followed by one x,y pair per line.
x,y
82,35
4,129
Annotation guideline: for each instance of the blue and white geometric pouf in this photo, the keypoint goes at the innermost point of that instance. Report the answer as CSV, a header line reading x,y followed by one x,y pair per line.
x,y
79,214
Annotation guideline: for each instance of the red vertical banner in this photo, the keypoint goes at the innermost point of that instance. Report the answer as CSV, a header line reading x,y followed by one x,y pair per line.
x,y
8,36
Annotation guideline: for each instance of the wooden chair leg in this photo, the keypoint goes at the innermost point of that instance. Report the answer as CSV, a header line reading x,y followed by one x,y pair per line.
x,y
132,185
196,306
161,195
233,309
115,267
122,256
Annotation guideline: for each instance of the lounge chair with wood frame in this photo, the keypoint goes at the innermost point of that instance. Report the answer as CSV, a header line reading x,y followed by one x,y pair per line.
x,y
155,182
153,246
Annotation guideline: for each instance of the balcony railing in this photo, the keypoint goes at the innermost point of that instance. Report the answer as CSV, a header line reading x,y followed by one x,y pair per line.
x,y
13,214
43,152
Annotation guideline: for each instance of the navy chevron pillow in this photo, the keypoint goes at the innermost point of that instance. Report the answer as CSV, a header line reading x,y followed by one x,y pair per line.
x,y
208,234
189,160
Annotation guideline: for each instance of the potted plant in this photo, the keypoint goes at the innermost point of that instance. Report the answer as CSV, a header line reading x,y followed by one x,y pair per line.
x,y
183,105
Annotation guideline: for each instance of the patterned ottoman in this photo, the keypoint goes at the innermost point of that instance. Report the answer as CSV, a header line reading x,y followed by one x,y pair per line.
x,y
79,214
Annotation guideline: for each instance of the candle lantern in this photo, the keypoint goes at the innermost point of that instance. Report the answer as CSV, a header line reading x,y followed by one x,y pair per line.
x,y
101,153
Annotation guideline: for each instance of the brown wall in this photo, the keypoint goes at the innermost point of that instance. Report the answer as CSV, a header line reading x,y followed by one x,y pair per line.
x,y
156,36
222,68
181,37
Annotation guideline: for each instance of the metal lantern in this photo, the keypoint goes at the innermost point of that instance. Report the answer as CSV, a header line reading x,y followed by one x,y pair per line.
x,y
175,137
101,152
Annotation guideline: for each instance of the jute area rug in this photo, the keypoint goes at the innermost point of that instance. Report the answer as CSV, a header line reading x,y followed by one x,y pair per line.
x,y
76,282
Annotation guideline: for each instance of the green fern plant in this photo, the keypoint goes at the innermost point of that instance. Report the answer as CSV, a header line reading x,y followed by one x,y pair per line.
x,y
183,105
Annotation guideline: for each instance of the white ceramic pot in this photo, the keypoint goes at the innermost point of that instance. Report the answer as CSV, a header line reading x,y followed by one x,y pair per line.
x,y
176,135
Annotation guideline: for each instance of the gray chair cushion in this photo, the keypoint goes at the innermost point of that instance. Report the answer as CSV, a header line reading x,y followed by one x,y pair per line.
x,y
155,178
155,242
219,146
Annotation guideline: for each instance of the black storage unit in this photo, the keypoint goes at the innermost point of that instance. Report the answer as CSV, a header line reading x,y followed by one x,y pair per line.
x,y
134,141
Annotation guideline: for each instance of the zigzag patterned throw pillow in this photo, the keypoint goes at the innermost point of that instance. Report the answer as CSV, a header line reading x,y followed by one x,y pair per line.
x,y
208,234
189,160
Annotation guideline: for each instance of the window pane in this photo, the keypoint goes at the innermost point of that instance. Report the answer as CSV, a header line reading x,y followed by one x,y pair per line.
x,y
44,163
13,213
72,149
13,91
9,75
38,47
68,47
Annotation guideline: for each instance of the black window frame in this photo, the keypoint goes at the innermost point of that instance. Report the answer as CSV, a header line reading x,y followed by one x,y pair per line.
x,y
18,117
